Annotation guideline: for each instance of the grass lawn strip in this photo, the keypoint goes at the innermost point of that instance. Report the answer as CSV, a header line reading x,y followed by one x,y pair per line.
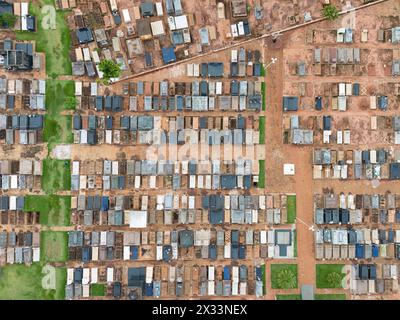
x,y
262,71
261,175
291,208
263,97
261,128
264,278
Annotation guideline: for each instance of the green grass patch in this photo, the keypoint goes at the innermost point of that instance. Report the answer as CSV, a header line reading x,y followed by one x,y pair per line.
x,y
291,208
21,282
262,71
56,175
329,275
54,210
338,296
295,243
53,246
261,128
55,43
264,278
263,96
55,131
288,297
284,276
61,281
261,174
97,290
60,95
58,127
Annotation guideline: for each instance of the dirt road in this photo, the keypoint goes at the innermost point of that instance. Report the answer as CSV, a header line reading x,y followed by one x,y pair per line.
x,y
277,154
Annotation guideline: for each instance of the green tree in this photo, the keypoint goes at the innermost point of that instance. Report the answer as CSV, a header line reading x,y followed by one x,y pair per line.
x,y
7,20
286,279
330,12
110,69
